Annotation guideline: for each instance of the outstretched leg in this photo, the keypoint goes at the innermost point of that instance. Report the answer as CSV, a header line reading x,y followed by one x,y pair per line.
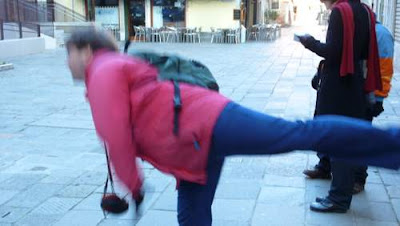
x,y
241,131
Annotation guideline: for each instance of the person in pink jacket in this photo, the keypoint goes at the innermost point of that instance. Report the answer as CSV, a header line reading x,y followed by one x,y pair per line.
x,y
133,114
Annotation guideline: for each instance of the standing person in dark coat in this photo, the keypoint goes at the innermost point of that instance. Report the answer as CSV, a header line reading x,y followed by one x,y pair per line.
x,y
350,47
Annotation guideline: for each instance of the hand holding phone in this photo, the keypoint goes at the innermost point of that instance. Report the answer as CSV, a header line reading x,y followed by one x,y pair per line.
x,y
298,36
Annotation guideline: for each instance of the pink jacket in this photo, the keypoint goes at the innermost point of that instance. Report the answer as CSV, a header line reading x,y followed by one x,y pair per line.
x,y
133,113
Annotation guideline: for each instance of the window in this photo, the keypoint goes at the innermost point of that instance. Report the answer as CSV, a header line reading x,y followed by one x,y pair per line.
x,y
275,4
106,2
169,13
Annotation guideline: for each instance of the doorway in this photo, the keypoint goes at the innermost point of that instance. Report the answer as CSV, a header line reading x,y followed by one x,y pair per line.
x,y
137,14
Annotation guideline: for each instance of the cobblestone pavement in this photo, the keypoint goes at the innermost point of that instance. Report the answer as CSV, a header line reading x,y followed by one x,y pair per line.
x,y
52,166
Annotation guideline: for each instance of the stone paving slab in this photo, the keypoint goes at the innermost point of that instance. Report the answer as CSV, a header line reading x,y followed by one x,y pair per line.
x,y
34,195
117,222
81,218
233,210
158,218
12,214
40,220
52,166
267,214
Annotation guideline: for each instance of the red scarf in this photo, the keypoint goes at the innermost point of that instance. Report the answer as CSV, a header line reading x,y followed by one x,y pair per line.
x,y
373,80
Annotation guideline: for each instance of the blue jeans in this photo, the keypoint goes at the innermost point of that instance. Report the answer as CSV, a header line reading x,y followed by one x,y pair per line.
x,y
241,131
194,200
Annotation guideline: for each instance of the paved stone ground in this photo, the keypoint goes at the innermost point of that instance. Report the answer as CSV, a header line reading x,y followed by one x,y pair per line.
x,y
52,167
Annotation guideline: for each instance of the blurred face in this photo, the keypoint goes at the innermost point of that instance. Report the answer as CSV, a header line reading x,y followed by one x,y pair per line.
x,y
78,59
328,3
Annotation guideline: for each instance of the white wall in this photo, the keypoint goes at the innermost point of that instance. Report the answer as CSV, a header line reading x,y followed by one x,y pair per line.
x,y
264,7
122,24
75,5
385,11
211,13
148,13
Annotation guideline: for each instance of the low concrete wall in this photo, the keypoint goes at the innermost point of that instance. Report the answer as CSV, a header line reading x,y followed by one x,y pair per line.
x,y
50,42
19,47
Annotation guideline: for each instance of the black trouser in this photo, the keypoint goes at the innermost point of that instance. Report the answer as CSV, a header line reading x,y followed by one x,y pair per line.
x,y
360,175
324,163
360,172
341,190
344,176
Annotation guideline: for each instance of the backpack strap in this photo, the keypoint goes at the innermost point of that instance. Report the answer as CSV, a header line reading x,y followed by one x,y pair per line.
x,y
177,106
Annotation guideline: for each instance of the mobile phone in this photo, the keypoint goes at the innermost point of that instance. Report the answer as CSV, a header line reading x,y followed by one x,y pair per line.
x,y
297,36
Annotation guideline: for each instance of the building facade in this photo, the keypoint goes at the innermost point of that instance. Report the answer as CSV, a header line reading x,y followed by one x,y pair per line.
x,y
388,13
157,13
125,14
385,11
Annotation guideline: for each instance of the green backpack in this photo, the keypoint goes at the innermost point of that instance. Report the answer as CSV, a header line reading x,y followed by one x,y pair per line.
x,y
177,69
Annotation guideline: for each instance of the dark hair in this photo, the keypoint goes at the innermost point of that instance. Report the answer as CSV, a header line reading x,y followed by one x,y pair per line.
x,y
93,37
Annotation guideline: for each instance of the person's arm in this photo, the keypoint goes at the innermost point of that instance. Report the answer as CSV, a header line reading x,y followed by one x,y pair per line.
x,y
332,49
386,67
108,93
386,53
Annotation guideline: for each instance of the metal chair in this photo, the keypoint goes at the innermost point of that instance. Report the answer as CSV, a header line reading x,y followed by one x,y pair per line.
x,y
254,32
233,35
139,33
148,31
270,32
217,34
191,34
263,32
274,30
198,33
155,33
171,32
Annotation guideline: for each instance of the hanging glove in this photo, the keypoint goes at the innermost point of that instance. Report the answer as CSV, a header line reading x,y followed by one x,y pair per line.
x,y
315,81
377,108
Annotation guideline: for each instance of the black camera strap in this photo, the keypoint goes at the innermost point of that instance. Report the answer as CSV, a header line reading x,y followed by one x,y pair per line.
x,y
109,174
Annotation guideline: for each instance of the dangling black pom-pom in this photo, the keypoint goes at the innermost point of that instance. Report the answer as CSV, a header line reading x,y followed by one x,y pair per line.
x,y
114,204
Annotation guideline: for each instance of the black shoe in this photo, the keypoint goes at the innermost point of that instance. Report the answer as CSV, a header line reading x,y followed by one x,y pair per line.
x,y
319,199
317,174
357,188
327,206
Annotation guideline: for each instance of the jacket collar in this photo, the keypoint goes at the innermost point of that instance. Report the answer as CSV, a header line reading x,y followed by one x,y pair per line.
x,y
96,55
